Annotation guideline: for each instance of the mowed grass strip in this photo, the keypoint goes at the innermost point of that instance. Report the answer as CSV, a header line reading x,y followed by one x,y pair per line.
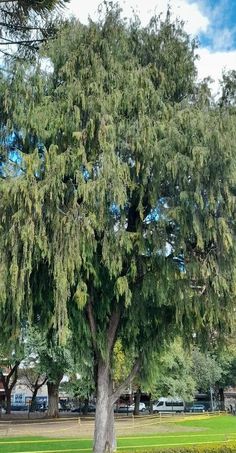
x,y
45,445
53,445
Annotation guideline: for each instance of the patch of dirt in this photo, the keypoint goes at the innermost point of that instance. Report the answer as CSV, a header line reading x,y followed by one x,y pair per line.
x,y
83,428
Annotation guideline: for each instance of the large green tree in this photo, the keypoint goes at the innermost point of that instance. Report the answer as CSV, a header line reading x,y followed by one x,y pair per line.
x,y
123,226
11,355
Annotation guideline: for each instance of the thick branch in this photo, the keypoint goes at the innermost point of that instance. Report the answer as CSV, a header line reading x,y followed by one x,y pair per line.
x,y
112,329
3,379
19,27
13,383
116,394
36,384
6,54
26,43
12,371
92,323
42,383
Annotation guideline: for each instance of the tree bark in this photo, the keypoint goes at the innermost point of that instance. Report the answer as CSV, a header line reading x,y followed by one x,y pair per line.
x,y
104,433
151,405
8,401
53,399
137,401
33,400
222,399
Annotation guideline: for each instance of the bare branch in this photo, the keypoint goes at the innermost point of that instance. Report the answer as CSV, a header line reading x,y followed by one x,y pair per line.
x,y
116,394
43,382
13,370
19,27
26,43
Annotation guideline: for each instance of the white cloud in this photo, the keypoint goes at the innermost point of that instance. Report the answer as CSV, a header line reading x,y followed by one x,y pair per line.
x,y
222,39
195,21
213,63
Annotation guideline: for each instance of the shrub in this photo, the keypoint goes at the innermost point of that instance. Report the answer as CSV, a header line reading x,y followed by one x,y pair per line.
x,y
222,448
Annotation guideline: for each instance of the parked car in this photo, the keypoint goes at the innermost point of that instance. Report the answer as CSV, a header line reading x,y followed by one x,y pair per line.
x,y
76,409
165,405
124,408
196,407
81,409
19,407
91,407
142,407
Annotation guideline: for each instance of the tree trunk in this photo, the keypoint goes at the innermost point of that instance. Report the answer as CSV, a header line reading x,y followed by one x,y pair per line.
x,y
151,407
111,434
104,433
33,400
53,399
8,401
85,407
137,401
222,399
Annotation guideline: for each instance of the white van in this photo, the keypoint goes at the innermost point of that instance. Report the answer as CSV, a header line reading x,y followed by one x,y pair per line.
x,y
165,405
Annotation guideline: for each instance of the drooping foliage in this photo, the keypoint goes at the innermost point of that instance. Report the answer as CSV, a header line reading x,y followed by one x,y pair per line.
x,y
123,225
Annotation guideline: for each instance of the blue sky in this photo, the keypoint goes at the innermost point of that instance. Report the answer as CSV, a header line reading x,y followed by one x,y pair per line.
x,y
212,21
221,32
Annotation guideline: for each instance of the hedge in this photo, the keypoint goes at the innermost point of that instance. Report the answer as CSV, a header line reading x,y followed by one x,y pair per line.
x,y
223,448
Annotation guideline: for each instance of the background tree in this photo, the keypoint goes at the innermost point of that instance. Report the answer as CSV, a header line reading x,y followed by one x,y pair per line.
x,y
226,358
34,381
123,226
10,359
174,373
228,89
55,361
206,370
31,374
49,361
80,386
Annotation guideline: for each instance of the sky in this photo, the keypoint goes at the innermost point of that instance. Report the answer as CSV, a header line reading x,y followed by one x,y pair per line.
x,y
212,22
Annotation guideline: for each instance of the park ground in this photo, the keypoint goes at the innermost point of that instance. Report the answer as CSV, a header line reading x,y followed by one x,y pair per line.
x,y
75,435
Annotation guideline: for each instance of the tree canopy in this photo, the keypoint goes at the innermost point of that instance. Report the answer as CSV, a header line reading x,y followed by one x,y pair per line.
x,y
132,177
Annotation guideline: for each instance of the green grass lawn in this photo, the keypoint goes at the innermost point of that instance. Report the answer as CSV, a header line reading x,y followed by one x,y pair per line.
x,y
212,430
